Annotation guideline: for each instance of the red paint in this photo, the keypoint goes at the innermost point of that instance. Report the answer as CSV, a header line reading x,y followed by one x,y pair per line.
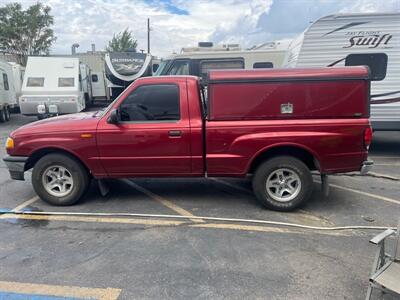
x,y
329,121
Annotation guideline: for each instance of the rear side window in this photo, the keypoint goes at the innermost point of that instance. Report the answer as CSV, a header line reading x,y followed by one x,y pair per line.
x,y
35,81
5,82
95,78
66,81
156,102
207,65
377,63
263,65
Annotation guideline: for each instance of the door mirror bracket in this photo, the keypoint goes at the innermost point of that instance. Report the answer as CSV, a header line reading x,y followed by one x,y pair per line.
x,y
113,118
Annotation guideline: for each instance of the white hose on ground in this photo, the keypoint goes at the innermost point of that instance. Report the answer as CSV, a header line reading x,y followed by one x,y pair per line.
x,y
264,222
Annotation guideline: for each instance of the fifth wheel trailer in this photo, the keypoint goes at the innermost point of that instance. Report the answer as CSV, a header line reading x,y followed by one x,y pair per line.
x,y
357,39
122,68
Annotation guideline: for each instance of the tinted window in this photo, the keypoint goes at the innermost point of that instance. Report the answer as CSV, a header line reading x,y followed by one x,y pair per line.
x,y
5,81
179,67
263,65
206,66
377,63
95,78
65,81
35,81
151,103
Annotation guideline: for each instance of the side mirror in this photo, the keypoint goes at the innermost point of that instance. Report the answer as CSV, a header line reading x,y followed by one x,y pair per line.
x,y
113,118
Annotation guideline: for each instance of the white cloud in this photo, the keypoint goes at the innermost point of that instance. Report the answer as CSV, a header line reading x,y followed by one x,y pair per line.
x,y
234,21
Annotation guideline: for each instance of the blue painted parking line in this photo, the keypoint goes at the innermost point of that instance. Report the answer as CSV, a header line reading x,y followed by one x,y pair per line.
x,y
15,296
12,290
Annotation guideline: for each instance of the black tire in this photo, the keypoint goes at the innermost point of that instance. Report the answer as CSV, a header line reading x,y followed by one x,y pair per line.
x,y
292,166
79,174
2,115
7,114
87,100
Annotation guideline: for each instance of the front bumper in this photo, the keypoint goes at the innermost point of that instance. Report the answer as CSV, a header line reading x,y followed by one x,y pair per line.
x,y
366,167
16,166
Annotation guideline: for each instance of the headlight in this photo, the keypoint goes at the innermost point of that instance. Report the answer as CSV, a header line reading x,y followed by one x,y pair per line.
x,y
9,143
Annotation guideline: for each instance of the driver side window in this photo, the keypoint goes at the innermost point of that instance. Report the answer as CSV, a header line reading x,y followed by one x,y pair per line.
x,y
156,102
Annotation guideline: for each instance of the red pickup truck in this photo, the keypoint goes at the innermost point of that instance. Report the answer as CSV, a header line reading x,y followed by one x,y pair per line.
x,y
276,125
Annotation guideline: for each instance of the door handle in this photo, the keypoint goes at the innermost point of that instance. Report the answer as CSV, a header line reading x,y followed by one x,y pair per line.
x,y
175,133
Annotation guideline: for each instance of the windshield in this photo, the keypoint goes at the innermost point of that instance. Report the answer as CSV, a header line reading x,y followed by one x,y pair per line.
x,y
161,68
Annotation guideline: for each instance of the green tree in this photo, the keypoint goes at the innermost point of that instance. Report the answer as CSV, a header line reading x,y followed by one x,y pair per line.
x,y
26,32
122,42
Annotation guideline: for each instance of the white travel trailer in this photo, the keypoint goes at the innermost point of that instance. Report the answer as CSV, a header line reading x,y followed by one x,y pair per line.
x,y
357,39
199,60
53,86
8,97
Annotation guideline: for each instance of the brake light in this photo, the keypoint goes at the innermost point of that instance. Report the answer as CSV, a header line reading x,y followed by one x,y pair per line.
x,y
367,137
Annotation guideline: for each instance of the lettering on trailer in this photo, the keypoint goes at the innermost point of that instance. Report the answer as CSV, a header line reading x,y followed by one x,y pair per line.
x,y
372,39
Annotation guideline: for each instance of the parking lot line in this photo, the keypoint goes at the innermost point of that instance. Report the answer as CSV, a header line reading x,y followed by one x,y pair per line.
x,y
155,222
30,289
119,220
370,195
21,206
26,203
163,201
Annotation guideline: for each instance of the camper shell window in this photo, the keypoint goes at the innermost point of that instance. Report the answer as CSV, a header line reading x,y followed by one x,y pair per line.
x,y
263,65
377,63
35,81
5,82
66,81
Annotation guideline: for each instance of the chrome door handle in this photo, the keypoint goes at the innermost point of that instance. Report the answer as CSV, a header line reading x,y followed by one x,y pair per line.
x,y
175,133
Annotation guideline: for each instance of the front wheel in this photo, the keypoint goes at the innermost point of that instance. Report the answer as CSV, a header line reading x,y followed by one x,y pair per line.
x,y
59,179
282,183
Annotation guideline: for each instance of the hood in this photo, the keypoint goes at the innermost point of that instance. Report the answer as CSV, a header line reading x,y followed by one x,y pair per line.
x,y
66,123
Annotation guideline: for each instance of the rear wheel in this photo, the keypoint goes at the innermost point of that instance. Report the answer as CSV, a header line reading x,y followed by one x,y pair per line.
x,y
7,113
2,115
59,179
282,183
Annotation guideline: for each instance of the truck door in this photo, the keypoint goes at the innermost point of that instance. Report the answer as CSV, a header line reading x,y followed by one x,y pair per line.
x,y
152,135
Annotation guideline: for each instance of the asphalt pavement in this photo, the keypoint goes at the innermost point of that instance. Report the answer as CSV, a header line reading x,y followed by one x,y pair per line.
x,y
100,257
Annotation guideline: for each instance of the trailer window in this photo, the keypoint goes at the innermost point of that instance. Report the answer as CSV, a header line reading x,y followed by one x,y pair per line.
x,y
207,65
35,81
156,102
5,82
263,65
95,78
66,81
377,63
179,67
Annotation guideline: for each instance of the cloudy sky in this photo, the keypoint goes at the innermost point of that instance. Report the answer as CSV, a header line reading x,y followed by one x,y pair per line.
x,y
179,23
